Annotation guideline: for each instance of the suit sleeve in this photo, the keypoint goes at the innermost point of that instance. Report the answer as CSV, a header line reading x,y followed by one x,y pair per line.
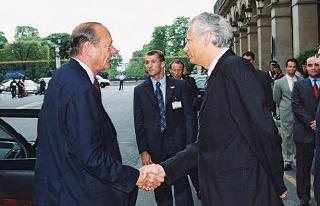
x,y
256,125
300,113
139,122
179,165
87,142
190,114
277,93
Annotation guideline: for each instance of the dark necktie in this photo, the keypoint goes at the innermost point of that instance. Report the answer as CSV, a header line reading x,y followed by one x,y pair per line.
x,y
97,88
161,107
315,88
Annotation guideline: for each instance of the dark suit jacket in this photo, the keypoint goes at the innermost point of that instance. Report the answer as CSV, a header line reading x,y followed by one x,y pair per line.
x,y
304,106
78,158
180,130
266,82
238,151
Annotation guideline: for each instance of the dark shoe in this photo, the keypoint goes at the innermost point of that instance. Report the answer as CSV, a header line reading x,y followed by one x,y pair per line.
x,y
287,166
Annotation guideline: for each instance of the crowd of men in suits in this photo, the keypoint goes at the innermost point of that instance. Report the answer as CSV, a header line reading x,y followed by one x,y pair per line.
x,y
296,97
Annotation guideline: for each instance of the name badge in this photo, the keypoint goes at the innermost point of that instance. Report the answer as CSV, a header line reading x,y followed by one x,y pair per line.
x,y
176,105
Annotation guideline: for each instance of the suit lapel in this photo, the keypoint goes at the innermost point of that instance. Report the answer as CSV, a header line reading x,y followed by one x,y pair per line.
x,y
148,87
169,89
309,87
212,77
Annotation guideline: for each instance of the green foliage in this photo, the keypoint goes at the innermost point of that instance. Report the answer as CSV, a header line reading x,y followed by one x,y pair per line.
x,y
169,39
304,55
3,40
64,45
135,69
26,33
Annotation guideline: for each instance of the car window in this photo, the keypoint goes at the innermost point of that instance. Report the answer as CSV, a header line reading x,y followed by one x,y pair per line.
x,y
27,127
201,83
8,147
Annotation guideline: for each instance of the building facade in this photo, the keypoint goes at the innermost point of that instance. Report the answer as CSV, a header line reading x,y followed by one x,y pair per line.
x,y
272,29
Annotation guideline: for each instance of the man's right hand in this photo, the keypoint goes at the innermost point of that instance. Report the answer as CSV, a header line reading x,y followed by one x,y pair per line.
x,y
146,158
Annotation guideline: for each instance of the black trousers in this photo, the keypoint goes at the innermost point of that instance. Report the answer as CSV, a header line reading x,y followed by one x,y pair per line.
x,y
304,156
182,193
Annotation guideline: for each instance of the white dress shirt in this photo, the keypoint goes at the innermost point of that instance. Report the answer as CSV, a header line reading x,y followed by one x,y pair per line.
x,y
87,69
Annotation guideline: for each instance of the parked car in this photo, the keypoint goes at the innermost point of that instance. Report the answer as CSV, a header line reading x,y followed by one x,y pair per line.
x,y
5,85
30,87
102,81
201,82
17,160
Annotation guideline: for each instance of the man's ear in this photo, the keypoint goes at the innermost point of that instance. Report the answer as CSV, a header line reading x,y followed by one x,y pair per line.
x,y
207,38
87,49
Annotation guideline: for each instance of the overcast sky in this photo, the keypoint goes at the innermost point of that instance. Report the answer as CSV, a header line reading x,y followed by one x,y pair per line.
x,y
130,22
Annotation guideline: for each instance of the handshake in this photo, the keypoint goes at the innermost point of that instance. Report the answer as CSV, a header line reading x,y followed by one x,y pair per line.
x,y
151,176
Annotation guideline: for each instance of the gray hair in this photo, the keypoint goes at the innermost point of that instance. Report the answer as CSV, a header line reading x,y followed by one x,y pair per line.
x,y
217,25
85,32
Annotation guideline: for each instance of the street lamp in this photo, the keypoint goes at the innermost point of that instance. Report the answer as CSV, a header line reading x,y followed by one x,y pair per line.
x,y
260,4
57,50
248,13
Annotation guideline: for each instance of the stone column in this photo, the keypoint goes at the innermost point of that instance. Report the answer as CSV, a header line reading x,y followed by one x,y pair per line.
x,y
281,29
253,39
243,45
236,44
305,23
264,36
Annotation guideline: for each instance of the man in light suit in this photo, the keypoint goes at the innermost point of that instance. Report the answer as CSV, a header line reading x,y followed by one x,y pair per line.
x,y
282,96
305,98
238,152
164,124
78,158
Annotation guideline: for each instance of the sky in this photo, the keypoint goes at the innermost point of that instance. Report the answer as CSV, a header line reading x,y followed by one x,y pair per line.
x,y
130,22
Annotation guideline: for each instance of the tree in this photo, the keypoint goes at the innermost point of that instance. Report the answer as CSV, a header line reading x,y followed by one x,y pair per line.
x,y
159,39
26,33
59,39
176,34
3,40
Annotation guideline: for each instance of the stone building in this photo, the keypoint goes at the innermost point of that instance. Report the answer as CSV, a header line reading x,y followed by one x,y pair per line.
x,y
272,29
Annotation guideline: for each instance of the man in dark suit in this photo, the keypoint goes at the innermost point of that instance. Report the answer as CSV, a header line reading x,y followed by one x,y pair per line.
x,y
265,80
316,183
164,124
304,105
78,158
238,151
176,72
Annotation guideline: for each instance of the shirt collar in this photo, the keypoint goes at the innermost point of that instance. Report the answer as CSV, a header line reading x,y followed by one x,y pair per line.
x,y
162,82
216,59
87,69
288,77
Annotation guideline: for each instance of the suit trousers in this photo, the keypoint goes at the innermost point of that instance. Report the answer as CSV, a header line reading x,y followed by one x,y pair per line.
x,y
287,141
304,156
316,183
182,193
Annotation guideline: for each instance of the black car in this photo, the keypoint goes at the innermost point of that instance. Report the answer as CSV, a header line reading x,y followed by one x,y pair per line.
x,y
201,82
17,158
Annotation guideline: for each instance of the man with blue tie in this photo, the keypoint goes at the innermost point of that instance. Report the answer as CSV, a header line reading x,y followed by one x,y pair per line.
x,y
164,124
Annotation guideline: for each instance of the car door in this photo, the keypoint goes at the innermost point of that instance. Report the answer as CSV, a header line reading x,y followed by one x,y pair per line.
x,y
17,160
